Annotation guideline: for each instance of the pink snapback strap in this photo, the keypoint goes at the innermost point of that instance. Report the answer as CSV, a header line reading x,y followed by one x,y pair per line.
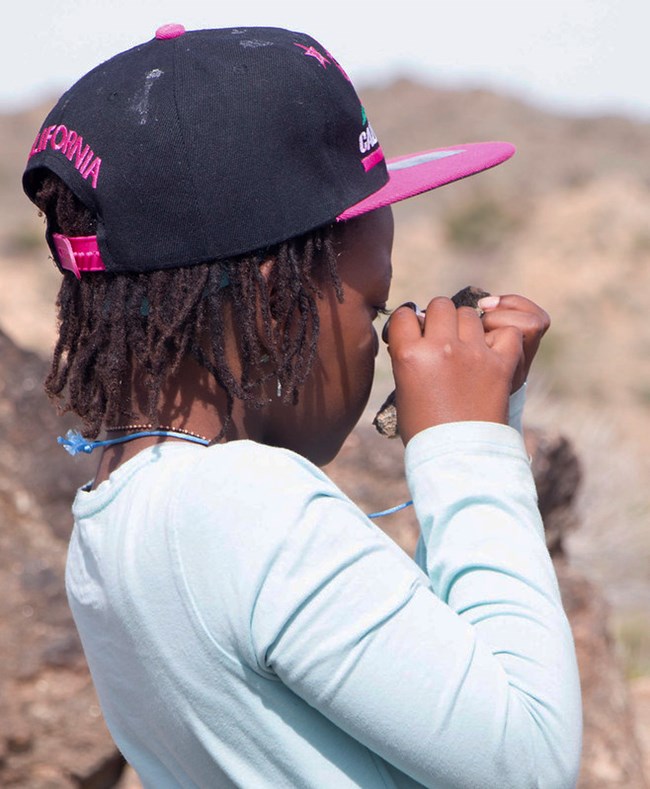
x,y
78,253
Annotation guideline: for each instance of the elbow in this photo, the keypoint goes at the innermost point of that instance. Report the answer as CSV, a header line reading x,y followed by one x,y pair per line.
x,y
560,771
557,747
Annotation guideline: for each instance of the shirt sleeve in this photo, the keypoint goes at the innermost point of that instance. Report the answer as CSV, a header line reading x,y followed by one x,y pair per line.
x,y
463,676
516,405
516,409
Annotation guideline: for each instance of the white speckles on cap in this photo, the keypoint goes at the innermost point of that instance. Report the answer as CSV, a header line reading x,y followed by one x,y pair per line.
x,y
171,30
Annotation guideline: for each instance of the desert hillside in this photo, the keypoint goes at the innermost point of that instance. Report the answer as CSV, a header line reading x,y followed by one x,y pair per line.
x,y
565,222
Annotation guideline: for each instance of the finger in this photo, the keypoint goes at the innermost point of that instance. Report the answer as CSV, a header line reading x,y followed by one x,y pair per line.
x,y
531,324
404,326
511,301
508,344
514,301
470,326
441,320
507,341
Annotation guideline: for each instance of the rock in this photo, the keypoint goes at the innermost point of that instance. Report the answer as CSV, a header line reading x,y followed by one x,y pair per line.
x,y
52,732
558,475
34,470
611,755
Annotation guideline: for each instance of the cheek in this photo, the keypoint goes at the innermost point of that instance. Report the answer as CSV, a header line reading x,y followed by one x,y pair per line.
x,y
363,364
370,345
362,343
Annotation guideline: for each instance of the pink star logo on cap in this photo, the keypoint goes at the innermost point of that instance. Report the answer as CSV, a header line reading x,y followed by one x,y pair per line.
x,y
314,53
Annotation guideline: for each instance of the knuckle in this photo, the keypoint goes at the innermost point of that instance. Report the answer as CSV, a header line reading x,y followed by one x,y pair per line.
x,y
514,336
540,323
405,355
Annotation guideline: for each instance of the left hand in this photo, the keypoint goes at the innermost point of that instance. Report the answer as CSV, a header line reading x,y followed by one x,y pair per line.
x,y
531,320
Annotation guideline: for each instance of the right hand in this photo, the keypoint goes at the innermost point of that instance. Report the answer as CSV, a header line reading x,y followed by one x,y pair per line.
x,y
450,370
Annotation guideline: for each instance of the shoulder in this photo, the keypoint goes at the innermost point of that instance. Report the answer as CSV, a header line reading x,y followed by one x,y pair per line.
x,y
249,503
256,492
246,471
248,522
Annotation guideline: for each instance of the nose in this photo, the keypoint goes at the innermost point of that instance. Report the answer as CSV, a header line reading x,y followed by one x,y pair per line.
x,y
412,306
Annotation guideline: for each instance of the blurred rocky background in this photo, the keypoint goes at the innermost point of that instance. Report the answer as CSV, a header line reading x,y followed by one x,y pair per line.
x,y
566,222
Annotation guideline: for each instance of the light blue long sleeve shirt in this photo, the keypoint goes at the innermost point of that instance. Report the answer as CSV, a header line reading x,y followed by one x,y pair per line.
x,y
246,625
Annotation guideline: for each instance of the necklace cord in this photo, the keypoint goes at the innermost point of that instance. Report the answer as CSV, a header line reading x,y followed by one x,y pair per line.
x,y
74,443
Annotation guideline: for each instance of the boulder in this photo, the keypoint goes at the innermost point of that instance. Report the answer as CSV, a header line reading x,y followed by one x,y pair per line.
x,y
51,730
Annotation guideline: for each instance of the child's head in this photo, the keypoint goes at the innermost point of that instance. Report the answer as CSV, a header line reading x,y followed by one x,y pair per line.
x,y
115,328
202,185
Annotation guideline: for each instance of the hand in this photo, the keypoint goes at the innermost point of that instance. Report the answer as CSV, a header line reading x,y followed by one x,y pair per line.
x,y
523,314
450,369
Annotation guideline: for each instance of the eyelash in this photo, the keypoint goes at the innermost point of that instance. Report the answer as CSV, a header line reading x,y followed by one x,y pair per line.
x,y
382,311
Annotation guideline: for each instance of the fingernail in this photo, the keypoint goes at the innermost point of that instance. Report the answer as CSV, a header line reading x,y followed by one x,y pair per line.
x,y
489,302
412,306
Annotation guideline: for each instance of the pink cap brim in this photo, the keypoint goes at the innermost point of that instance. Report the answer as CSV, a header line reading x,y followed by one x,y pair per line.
x,y
416,173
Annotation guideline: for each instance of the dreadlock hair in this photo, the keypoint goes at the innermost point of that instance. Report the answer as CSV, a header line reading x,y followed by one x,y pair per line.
x,y
112,325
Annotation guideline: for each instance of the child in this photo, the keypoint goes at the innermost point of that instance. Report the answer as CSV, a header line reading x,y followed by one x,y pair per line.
x,y
220,208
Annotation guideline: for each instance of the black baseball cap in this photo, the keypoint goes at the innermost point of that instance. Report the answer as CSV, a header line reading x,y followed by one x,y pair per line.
x,y
204,145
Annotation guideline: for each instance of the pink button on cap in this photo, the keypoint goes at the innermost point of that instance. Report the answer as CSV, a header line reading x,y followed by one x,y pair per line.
x,y
170,31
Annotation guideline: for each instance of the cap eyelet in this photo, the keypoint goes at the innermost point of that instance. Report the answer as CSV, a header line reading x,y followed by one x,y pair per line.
x,y
171,30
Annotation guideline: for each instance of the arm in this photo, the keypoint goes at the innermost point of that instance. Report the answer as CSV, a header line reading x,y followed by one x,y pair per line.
x,y
487,559
467,678
516,404
464,679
